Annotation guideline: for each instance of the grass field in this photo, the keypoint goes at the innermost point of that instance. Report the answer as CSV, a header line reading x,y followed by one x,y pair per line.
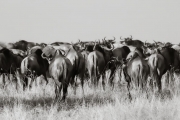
x,y
37,104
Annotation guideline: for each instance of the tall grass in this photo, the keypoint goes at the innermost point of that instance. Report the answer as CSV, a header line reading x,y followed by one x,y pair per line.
x,y
37,104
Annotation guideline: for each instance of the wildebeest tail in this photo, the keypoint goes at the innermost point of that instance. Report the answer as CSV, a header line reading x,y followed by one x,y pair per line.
x,y
155,76
25,67
94,70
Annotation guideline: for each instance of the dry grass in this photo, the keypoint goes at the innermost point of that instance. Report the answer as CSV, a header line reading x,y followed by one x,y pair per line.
x,y
37,104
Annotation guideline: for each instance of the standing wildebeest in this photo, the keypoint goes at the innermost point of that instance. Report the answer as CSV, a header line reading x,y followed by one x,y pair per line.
x,y
158,68
60,69
77,60
34,65
9,62
136,70
96,62
169,59
119,53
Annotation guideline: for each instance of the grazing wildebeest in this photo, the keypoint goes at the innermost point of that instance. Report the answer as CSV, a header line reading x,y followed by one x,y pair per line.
x,y
60,69
34,65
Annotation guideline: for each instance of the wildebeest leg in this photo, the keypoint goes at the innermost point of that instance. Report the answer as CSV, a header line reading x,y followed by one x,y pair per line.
x,y
73,80
25,83
8,76
45,78
57,93
128,88
111,78
82,85
167,81
75,85
103,81
159,83
4,81
65,86
33,79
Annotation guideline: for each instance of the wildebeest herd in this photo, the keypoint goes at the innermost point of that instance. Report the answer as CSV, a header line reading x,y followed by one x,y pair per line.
x,y
142,64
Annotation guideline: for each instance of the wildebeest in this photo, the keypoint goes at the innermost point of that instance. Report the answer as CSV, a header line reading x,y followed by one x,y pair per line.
x,y
136,69
158,67
34,65
96,62
76,59
166,55
9,62
120,54
60,69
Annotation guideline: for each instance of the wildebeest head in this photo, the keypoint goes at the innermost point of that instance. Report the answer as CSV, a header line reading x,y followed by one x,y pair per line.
x,y
108,42
49,52
107,52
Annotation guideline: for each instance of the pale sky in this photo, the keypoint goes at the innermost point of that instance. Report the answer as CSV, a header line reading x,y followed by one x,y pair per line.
x,y
70,20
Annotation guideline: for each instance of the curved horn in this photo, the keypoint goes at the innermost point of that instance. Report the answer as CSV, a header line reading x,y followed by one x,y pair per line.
x,y
131,37
42,55
103,41
155,42
145,44
63,52
165,44
112,47
79,40
99,41
114,37
121,38
94,45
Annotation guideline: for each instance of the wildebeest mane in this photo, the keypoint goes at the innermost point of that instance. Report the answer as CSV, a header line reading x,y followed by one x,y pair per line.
x,y
126,49
89,48
22,41
38,52
5,51
100,49
134,42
